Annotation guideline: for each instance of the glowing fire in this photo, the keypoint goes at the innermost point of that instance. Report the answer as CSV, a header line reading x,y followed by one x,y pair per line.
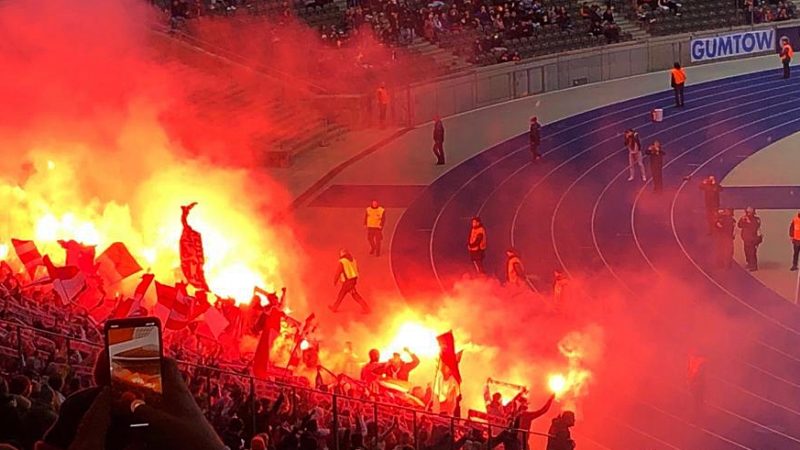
x,y
557,384
52,206
416,337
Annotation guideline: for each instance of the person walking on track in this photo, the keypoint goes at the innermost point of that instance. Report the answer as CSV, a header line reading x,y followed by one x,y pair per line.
x,y
477,244
634,147
787,52
535,138
374,220
656,165
347,274
438,140
678,77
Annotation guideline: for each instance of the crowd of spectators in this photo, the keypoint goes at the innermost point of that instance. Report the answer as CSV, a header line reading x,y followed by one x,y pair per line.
x,y
760,11
50,350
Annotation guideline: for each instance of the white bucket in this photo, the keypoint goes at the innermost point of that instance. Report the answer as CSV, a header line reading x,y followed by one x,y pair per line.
x,y
657,115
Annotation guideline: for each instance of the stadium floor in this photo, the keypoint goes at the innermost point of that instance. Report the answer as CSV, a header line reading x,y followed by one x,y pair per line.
x,y
576,210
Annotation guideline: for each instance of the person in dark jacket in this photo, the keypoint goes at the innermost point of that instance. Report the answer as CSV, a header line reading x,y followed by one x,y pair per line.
x,y
560,438
711,190
656,164
397,369
438,140
750,224
724,229
535,138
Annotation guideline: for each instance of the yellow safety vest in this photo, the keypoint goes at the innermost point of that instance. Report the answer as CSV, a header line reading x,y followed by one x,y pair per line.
x,y
374,217
510,272
796,230
474,234
349,268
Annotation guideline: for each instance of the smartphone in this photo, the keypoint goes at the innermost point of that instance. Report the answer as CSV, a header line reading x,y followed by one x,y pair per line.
x,y
135,351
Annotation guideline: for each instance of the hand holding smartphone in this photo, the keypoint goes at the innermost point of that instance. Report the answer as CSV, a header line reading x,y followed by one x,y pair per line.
x,y
135,353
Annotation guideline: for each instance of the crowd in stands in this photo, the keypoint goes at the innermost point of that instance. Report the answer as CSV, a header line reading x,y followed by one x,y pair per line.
x,y
49,352
670,16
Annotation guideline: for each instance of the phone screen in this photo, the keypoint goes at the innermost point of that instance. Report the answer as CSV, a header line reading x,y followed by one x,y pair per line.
x,y
134,353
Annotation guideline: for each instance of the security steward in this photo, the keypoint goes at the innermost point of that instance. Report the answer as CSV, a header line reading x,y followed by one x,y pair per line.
x,y
477,244
535,138
374,220
794,235
515,271
438,140
656,154
724,229
678,76
786,56
750,224
347,273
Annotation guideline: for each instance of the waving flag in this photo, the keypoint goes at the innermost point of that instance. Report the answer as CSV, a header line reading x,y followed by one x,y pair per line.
x,y
68,281
174,306
28,254
116,263
271,330
447,353
191,250
131,307
80,256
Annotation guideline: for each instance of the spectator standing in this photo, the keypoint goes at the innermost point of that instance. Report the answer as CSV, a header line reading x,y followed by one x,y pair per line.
x,y
786,56
347,273
515,271
634,146
382,97
711,190
678,80
724,229
750,224
794,235
535,138
656,165
438,140
397,369
560,438
374,220
477,244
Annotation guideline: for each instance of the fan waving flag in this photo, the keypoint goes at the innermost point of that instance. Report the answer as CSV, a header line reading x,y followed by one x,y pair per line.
x,y
68,282
447,353
28,254
116,263
191,249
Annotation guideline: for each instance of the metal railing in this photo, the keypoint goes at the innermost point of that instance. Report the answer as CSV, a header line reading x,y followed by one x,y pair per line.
x,y
340,410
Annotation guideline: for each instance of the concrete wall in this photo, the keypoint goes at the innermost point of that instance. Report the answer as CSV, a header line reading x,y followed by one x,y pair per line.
x,y
417,104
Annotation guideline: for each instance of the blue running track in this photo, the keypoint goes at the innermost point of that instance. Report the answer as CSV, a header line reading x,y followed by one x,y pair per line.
x,y
575,211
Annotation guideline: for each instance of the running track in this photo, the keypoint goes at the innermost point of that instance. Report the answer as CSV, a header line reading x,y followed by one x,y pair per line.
x,y
575,210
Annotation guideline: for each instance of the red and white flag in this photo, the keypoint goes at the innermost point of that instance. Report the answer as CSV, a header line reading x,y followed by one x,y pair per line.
x,y
174,306
28,254
191,251
216,321
130,307
68,281
116,263
448,356
80,256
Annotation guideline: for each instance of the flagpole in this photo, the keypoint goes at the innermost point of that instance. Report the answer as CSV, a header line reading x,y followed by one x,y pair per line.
x,y
434,394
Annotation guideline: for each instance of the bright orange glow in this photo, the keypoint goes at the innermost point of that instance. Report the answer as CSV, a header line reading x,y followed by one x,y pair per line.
x,y
557,384
304,345
3,251
416,337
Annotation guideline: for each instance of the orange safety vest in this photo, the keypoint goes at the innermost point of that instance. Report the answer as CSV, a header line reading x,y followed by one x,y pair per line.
x,y
374,217
511,274
679,76
474,234
349,269
789,52
796,229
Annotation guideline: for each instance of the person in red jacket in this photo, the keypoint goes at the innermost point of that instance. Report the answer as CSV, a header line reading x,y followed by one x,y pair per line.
x,y
678,80
787,52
